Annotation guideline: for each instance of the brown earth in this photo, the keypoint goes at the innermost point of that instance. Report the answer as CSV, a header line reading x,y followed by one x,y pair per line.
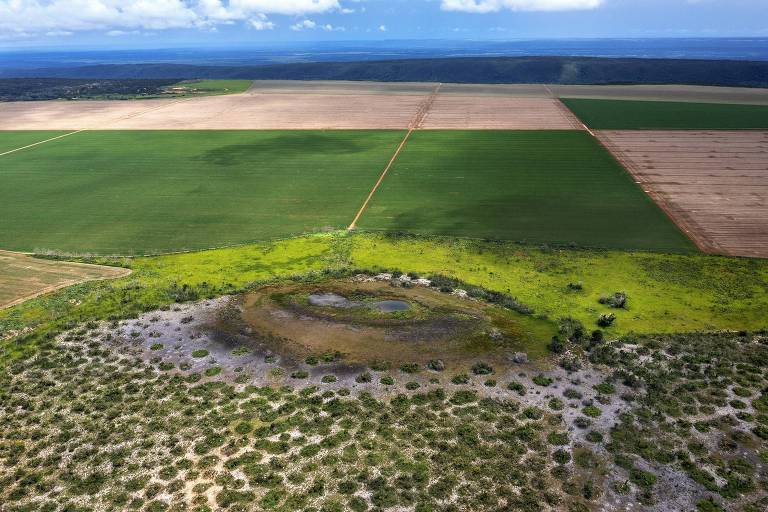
x,y
23,277
306,105
349,105
502,112
714,184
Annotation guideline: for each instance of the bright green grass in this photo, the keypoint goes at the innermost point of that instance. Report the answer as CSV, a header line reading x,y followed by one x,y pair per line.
x,y
140,192
667,293
663,115
557,187
216,86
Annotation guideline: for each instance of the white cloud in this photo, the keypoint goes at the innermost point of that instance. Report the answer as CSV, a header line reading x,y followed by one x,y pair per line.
x,y
382,28
25,18
304,25
291,7
261,25
486,6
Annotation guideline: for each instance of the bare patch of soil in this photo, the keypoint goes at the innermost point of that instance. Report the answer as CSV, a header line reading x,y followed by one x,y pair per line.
x,y
23,277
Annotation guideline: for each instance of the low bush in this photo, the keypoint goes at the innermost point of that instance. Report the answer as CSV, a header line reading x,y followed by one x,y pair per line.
x,y
618,300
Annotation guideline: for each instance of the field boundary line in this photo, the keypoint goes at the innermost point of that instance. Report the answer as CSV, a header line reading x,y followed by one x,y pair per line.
x,y
687,225
122,118
417,121
118,273
67,284
684,222
42,142
570,114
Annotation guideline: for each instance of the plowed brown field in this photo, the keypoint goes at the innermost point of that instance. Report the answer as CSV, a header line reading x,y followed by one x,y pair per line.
x,y
305,105
713,184
23,277
498,112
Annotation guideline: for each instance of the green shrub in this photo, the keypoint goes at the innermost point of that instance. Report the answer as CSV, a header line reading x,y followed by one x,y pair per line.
x,y
572,329
709,505
642,478
482,369
200,353
541,380
409,368
557,438
605,388
463,397
556,404
561,456
213,371
594,437
436,365
592,411
517,388
606,319
460,379
618,300
240,351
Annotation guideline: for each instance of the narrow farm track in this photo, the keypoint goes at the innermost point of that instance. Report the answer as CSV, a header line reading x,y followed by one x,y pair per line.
x,y
122,118
23,277
41,142
421,113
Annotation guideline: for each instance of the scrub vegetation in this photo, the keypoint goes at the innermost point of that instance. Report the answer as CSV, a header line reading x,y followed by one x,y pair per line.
x,y
664,293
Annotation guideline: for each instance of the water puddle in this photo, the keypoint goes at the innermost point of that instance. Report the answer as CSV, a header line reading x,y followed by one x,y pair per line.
x,y
333,300
391,306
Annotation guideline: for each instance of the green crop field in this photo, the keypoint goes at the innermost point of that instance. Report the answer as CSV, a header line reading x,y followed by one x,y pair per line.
x,y
540,187
665,115
154,191
13,140
212,87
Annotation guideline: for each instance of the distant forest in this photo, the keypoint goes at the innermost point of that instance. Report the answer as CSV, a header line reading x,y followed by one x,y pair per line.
x,y
553,70
27,89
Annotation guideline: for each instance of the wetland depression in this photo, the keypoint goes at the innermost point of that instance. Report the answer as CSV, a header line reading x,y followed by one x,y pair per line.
x,y
364,320
337,301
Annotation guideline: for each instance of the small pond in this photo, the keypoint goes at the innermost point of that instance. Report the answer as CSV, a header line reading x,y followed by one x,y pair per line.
x,y
333,300
390,306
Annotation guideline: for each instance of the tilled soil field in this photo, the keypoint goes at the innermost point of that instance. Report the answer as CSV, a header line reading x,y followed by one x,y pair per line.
x,y
714,184
24,277
459,111
325,105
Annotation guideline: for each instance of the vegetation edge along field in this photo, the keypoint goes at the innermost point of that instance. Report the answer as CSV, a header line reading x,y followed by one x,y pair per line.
x,y
663,292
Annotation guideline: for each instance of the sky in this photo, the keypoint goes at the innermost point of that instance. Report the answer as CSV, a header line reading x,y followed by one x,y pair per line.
x,y
105,24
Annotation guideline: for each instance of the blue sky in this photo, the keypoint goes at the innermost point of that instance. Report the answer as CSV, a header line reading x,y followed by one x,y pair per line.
x,y
143,23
